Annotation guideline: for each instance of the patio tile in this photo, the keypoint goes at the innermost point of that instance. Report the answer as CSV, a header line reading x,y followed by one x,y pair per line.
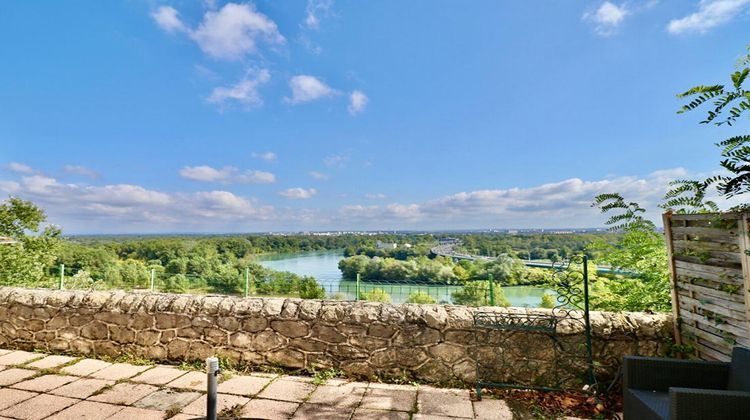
x,y
85,367
13,375
166,398
269,409
287,390
87,410
10,397
190,380
186,417
243,385
322,412
51,362
124,393
223,401
445,402
133,413
492,409
367,414
19,357
82,388
118,371
45,383
390,397
344,395
39,407
160,375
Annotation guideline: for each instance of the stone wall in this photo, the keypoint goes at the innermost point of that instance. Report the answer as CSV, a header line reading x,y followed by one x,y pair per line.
x,y
431,343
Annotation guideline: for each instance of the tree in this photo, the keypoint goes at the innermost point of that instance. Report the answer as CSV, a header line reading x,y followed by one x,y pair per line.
x,y
688,196
548,301
729,103
476,293
26,260
310,289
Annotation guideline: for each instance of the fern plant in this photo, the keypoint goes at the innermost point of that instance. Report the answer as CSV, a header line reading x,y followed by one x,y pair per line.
x,y
688,196
629,216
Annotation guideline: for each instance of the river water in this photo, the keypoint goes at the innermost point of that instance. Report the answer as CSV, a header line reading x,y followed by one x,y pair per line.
x,y
323,265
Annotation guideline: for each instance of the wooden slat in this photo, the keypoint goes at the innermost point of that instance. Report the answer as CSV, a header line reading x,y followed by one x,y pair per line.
x,y
714,262
700,297
709,326
703,268
705,232
706,352
718,309
708,246
744,230
706,216
716,294
717,342
672,276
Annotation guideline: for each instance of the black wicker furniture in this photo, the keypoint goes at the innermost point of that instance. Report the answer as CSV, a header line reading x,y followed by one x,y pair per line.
x,y
657,388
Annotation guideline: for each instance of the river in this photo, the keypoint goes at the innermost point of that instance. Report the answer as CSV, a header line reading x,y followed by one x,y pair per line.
x,y
323,265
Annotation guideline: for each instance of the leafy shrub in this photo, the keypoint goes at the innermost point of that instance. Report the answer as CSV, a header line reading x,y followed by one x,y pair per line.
x,y
376,295
476,293
548,301
420,297
310,289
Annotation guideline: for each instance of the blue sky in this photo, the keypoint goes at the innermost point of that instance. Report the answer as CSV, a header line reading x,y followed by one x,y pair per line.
x,y
167,116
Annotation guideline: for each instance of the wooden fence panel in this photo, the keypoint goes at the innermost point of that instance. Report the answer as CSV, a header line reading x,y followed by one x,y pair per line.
x,y
709,262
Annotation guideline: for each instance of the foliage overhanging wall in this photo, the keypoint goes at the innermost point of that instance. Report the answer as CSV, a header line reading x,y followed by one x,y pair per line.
x,y
710,274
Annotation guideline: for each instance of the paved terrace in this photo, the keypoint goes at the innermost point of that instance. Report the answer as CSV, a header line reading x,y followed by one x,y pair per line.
x,y
38,386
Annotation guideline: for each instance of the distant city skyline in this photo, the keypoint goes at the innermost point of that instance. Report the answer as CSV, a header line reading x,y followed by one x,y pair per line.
x,y
171,116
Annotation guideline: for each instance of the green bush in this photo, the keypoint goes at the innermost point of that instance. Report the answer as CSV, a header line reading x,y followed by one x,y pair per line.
x,y
548,301
420,297
476,293
376,295
310,289
176,284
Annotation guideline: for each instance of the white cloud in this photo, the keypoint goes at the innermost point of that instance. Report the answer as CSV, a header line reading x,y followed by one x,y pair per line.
x,y
357,102
133,208
19,168
226,175
298,193
81,170
337,160
267,156
376,196
710,14
229,33
607,18
316,10
244,92
319,175
307,88
168,19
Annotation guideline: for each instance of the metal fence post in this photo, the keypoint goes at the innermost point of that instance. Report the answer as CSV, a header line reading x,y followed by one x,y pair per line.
x,y
357,289
212,370
492,290
247,281
587,320
61,286
153,275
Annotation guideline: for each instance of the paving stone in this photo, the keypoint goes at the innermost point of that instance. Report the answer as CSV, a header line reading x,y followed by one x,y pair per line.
x,y
322,412
82,388
45,383
186,417
19,357
269,409
223,401
287,390
119,371
165,399
4,352
160,375
243,385
445,402
491,409
124,393
13,375
133,413
344,395
367,414
51,362
190,380
85,367
39,407
87,410
431,417
390,397
10,397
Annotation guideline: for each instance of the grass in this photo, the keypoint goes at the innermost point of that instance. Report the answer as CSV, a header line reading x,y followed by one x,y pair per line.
x,y
320,377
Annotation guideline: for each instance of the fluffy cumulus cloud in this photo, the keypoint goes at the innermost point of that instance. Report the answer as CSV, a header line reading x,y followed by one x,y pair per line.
x,y
298,193
226,175
230,33
306,88
81,171
267,156
244,92
357,102
607,18
710,14
133,208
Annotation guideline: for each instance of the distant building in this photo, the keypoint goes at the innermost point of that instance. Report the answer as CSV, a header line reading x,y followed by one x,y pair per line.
x,y
386,245
449,241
